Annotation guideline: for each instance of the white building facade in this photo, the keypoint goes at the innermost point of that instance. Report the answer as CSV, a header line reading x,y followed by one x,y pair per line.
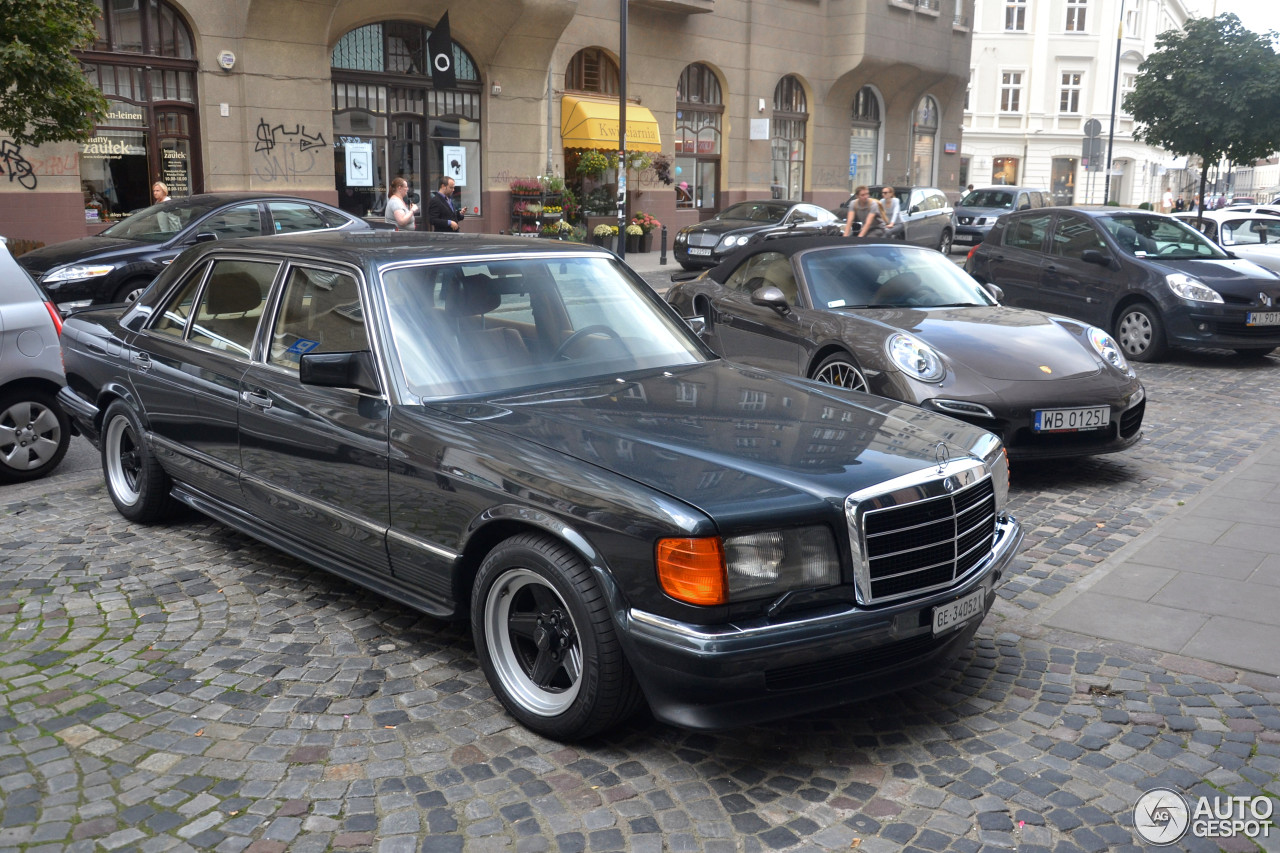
x,y
1042,74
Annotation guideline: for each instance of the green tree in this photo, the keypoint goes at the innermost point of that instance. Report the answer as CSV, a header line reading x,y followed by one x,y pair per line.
x,y
44,95
1211,90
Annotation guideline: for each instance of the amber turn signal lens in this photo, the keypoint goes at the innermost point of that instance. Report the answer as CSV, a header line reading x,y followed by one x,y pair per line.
x,y
692,570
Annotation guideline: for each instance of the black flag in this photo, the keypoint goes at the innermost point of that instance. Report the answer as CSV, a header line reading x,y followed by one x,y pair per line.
x,y
440,48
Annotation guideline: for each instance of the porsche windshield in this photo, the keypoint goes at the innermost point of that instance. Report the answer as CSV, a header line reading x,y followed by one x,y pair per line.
x,y
1159,238
505,324
888,277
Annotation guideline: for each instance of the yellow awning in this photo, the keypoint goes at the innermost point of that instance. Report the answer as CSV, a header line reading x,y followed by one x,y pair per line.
x,y
594,124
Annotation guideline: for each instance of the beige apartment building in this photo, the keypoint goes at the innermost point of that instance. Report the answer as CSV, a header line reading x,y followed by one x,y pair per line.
x,y
330,99
1041,72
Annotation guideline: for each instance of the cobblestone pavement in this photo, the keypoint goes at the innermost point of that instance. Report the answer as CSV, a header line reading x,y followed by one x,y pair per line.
x,y
183,687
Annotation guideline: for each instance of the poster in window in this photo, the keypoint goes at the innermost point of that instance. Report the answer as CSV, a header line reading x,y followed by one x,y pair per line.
x,y
359,164
455,163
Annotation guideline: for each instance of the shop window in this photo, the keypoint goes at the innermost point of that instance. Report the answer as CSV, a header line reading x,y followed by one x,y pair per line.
x,y
389,121
1004,170
144,62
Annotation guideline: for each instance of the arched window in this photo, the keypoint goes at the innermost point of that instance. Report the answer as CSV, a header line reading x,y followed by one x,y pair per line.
x,y
144,62
592,70
787,138
864,139
924,134
699,110
389,121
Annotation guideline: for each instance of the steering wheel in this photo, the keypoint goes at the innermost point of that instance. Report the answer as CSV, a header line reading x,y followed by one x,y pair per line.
x,y
1170,249
597,329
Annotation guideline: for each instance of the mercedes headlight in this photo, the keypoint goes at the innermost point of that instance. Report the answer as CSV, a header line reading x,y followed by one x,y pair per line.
x,y
1191,288
915,358
77,273
1105,346
714,571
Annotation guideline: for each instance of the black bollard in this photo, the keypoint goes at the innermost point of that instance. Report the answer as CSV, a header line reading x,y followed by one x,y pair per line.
x,y
662,257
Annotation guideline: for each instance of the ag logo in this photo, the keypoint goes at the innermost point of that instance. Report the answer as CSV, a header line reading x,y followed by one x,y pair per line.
x,y
1161,816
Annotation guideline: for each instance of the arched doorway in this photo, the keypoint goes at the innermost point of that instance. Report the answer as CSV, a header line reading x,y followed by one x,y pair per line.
x,y
864,139
699,111
787,138
924,135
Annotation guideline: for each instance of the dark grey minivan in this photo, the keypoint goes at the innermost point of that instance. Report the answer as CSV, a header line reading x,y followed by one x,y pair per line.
x,y
1149,279
980,208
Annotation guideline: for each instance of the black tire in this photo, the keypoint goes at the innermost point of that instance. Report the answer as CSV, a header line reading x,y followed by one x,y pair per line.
x,y
131,290
546,641
689,267
1255,352
1140,332
138,486
944,242
34,434
840,369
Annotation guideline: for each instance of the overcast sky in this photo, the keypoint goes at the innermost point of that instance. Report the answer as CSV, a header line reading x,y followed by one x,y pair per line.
x,y
1257,15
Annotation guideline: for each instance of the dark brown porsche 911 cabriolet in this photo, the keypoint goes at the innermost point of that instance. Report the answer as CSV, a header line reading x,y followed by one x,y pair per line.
x,y
906,323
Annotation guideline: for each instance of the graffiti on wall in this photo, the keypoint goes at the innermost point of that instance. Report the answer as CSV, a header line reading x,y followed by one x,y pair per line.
x,y
287,155
15,166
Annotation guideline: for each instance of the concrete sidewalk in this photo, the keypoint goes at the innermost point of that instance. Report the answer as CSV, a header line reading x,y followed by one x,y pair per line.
x,y
1203,583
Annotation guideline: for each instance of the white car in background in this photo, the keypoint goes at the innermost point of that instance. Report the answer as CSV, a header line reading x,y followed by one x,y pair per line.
x,y
34,430
1252,236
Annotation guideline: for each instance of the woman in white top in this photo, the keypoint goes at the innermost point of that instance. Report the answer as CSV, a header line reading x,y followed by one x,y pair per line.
x,y
888,213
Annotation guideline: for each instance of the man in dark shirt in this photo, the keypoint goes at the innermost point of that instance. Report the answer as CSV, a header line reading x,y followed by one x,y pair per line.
x,y
441,213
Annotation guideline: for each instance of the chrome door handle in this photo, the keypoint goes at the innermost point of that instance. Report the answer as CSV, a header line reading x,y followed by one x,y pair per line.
x,y
142,360
251,399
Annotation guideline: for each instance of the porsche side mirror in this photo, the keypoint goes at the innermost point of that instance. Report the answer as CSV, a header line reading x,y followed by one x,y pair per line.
x,y
996,292
1096,256
770,297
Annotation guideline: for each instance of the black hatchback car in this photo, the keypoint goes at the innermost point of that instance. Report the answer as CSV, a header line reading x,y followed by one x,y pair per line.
x,y
529,436
1150,279
117,264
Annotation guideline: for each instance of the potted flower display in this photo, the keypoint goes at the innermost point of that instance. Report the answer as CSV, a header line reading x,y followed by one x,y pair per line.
x,y
604,235
525,188
645,224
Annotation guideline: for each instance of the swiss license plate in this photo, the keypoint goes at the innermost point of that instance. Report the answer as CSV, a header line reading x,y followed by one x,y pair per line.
x,y
1263,318
1072,420
948,616
693,251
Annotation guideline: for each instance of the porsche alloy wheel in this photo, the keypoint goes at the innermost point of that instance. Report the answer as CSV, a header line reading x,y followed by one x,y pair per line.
x,y
839,369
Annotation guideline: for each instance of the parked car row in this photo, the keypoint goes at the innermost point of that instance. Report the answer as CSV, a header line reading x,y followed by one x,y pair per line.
x,y
634,501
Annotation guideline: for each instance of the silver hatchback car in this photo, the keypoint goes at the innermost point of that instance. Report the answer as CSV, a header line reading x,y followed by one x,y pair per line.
x,y
34,430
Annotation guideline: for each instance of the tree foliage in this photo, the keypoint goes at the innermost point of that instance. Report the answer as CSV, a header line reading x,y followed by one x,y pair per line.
x,y
44,95
1211,90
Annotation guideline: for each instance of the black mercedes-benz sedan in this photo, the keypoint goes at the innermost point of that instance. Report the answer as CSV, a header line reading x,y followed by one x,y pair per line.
x,y
117,264
524,434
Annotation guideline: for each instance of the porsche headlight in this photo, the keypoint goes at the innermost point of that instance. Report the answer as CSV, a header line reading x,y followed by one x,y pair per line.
x,y
915,358
77,272
1191,288
1105,346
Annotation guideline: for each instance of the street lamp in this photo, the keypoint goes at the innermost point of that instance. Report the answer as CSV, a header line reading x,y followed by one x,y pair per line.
x,y
621,242
1115,92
